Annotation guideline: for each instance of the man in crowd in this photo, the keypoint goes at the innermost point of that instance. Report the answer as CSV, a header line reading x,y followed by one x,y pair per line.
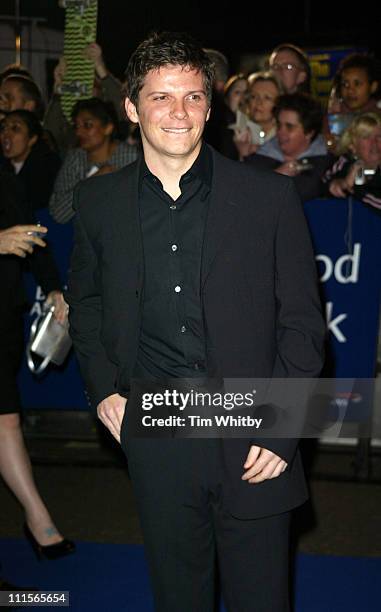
x,y
187,265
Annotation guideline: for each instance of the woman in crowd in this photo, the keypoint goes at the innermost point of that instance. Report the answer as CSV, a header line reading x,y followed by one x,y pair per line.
x,y
99,152
356,89
357,172
292,67
235,90
298,150
264,89
19,244
356,86
106,87
28,156
235,93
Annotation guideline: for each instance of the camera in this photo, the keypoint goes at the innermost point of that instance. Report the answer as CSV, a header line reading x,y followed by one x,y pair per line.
x,y
363,175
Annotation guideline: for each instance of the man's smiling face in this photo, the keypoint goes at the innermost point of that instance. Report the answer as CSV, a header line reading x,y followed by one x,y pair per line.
x,y
171,112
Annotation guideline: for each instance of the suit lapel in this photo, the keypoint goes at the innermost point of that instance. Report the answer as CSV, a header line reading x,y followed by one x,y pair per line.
x,y
222,214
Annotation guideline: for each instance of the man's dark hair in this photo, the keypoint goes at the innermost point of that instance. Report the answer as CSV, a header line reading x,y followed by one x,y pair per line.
x,y
309,111
29,91
100,109
30,119
163,49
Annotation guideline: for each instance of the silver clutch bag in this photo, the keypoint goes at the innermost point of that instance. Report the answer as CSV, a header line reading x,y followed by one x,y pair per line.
x,y
48,340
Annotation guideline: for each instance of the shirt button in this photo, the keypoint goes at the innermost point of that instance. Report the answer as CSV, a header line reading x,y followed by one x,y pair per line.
x,y
183,329
177,288
173,207
174,247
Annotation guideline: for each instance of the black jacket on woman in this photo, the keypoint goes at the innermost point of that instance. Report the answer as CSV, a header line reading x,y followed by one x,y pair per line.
x,y
37,174
14,210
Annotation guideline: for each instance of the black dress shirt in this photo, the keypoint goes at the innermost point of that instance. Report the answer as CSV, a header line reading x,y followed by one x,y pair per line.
x,y
172,339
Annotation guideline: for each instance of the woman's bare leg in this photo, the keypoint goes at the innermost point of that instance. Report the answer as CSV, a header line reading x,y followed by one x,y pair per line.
x,y
16,469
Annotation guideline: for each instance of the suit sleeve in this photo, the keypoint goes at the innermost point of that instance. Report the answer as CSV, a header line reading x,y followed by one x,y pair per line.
x,y
85,315
300,326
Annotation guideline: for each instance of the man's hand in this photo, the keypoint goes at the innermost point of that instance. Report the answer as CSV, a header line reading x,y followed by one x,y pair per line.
x,y
93,52
19,240
111,411
262,464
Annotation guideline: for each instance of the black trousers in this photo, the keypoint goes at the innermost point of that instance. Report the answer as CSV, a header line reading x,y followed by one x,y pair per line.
x,y
187,528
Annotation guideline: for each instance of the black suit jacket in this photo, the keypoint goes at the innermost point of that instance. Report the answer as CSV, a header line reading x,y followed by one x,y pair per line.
x,y
258,290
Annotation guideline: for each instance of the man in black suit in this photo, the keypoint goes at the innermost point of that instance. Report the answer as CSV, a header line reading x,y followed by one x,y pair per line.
x,y
189,266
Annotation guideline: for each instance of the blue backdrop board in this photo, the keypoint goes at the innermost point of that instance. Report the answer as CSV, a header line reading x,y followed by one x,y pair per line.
x,y
347,242
346,237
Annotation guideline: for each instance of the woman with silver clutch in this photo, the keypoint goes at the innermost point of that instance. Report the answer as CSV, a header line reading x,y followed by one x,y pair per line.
x,y
21,243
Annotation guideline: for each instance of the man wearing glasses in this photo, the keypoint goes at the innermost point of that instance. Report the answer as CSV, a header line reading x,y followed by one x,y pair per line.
x,y
291,66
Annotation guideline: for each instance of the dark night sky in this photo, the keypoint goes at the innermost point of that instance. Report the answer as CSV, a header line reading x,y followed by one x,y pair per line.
x,y
233,28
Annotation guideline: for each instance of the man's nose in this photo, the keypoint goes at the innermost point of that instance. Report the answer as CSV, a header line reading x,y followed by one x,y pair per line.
x,y
178,109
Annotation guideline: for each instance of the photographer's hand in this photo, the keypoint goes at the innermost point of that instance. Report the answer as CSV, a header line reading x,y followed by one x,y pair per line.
x,y
340,187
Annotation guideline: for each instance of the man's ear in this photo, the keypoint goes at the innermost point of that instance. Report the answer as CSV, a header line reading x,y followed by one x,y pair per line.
x,y
373,87
301,78
131,111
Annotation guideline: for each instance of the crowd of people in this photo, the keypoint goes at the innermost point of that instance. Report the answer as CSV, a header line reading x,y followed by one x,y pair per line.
x,y
267,119
271,119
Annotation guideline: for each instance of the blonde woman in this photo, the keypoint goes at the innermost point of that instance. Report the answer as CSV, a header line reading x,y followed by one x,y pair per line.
x,y
357,170
259,124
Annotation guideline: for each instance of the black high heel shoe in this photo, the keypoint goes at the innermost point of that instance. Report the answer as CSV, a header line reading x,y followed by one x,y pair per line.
x,y
52,551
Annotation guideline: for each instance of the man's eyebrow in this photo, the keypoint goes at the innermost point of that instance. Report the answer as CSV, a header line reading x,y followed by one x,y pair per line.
x,y
161,93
